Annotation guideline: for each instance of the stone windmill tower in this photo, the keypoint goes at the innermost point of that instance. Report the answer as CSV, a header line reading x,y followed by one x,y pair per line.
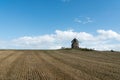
x,y
75,43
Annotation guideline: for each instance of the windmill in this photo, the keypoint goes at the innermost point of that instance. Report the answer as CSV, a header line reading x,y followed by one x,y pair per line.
x,y
75,43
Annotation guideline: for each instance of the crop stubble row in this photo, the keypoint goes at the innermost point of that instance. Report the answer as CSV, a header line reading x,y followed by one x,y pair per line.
x,y
56,65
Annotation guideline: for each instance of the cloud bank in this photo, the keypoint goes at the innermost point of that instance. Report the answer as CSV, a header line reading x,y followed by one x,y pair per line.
x,y
103,40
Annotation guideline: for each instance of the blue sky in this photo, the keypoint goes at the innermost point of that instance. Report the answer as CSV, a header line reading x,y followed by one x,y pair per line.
x,y
36,18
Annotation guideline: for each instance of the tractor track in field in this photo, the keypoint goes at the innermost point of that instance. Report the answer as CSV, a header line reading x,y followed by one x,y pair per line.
x,y
28,70
85,62
57,65
75,74
12,68
78,64
6,64
6,57
78,70
56,73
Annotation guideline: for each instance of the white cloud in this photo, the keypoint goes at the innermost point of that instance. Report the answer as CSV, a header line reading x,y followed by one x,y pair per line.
x,y
78,20
70,34
34,42
83,20
109,34
104,40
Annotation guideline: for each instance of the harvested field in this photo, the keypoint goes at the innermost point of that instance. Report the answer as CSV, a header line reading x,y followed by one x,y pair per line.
x,y
59,65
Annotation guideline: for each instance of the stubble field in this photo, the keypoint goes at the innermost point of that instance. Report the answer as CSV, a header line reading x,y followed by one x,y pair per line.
x,y
59,65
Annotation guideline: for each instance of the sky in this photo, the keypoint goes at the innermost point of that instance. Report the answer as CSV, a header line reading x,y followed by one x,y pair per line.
x,y
52,24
